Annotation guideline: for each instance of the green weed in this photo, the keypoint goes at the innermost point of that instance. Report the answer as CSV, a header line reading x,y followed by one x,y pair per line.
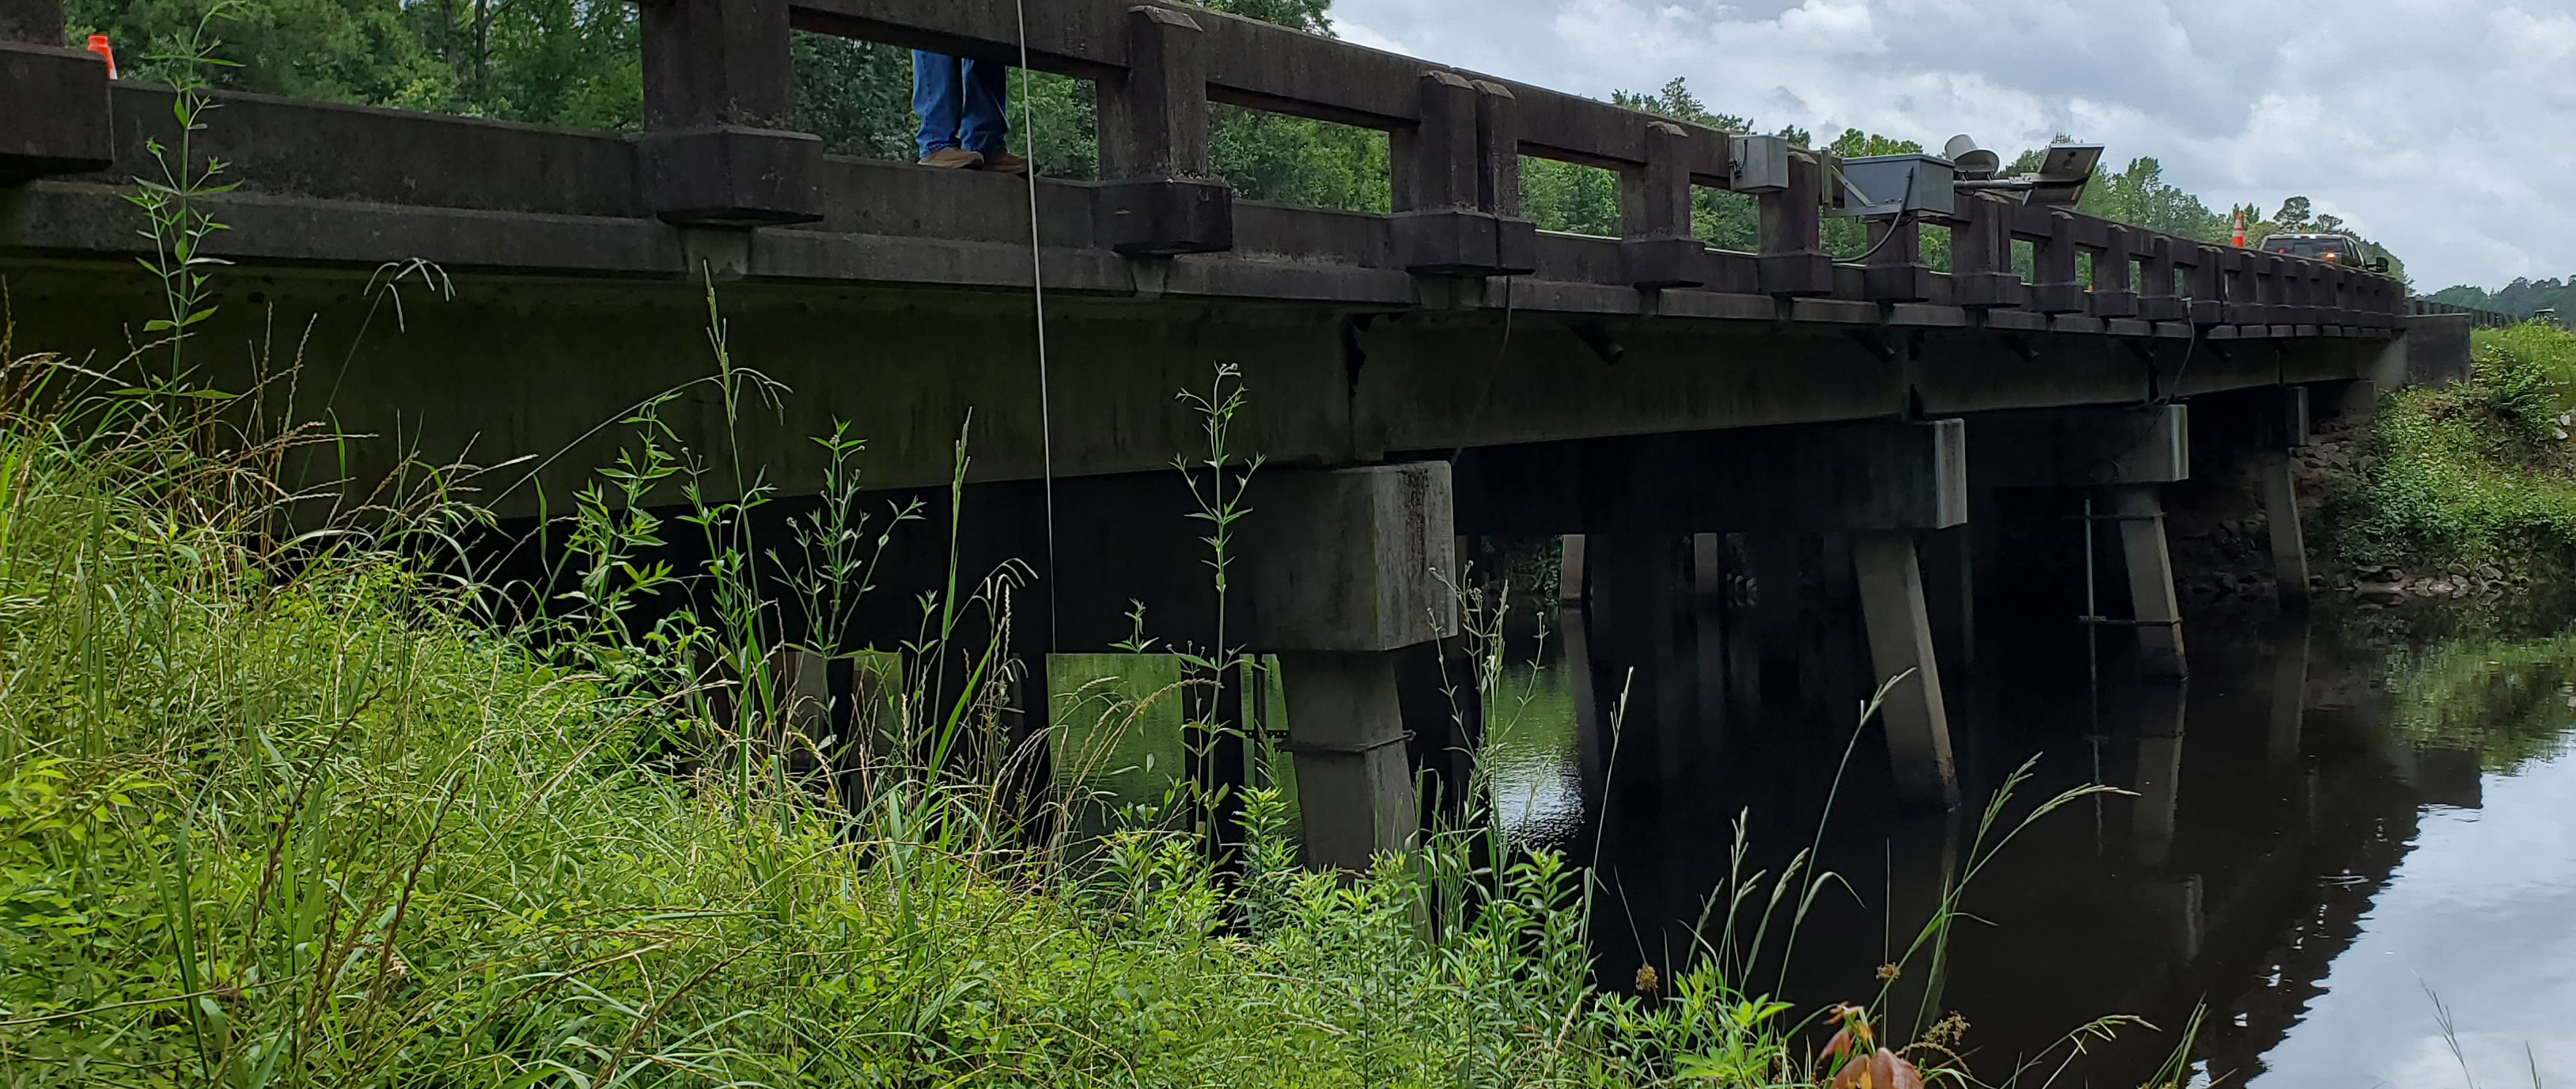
x,y
2473,473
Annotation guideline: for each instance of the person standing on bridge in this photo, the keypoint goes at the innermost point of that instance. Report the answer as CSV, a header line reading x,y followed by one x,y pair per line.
x,y
960,102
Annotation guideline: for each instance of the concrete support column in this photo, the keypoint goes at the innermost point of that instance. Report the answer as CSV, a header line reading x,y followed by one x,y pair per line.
x,y
1346,730
2289,543
1571,573
1641,597
1708,630
2151,583
1900,640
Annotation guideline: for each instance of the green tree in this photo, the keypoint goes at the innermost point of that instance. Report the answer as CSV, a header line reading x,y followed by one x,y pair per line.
x,y
2293,215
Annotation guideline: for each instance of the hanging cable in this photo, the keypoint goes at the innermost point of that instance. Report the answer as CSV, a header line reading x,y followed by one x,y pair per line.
x,y
1037,288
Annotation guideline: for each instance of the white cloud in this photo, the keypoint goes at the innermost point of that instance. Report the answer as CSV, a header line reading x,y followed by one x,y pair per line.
x,y
2443,127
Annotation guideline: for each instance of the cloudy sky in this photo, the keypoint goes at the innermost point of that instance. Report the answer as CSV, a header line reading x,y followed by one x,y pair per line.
x,y
2444,128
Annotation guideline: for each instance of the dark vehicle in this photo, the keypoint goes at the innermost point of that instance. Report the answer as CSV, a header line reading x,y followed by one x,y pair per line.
x,y
2338,248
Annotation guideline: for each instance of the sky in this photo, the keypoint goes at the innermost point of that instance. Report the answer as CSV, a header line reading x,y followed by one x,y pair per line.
x,y
2445,129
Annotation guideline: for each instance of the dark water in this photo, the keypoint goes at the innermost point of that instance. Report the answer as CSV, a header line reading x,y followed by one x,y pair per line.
x,y
2332,823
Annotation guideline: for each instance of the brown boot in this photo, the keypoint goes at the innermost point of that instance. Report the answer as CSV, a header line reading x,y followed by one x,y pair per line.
x,y
953,158
1003,162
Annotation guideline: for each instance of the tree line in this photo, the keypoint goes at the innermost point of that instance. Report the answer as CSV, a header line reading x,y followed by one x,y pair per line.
x,y
576,64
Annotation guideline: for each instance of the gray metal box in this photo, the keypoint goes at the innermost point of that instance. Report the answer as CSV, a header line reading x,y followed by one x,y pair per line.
x,y
1886,185
1757,164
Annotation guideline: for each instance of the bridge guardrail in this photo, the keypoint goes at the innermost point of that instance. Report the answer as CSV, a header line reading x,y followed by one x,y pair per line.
x,y
2480,318
717,153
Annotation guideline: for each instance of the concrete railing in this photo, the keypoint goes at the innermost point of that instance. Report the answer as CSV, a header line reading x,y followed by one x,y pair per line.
x,y
2483,319
1457,139
717,154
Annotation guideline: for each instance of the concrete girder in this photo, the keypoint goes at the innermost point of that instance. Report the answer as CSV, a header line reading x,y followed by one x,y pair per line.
x,y
2144,444
1864,476
519,367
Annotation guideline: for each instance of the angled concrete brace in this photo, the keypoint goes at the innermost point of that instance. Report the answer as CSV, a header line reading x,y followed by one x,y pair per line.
x,y
2269,422
2128,453
2288,417
1900,643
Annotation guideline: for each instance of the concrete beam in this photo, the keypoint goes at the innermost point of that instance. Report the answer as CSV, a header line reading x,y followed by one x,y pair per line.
x,y
1349,559
54,114
2146,444
1870,476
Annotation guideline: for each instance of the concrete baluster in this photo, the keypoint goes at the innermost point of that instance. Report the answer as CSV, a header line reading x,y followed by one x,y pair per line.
x,y
1982,275
2240,289
2283,279
2055,289
1457,178
57,121
1498,150
715,150
2209,283
1655,207
1159,197
1793,257
2156,298
1897,271
2113,297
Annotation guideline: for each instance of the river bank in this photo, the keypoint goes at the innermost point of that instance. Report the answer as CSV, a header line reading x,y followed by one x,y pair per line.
x,y
2458,492
326,809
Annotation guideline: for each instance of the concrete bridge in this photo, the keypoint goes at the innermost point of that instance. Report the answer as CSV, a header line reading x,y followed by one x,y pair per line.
x,y
1443,371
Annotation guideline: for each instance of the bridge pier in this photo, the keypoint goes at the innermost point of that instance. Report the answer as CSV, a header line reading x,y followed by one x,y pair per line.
x,y
1871,486
1344,571
2129,454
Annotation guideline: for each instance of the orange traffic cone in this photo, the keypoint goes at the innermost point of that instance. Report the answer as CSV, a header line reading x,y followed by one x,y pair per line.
x,y
98,44
2240,230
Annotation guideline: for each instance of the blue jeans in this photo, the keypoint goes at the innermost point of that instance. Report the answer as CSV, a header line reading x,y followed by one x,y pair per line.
x,y
960,103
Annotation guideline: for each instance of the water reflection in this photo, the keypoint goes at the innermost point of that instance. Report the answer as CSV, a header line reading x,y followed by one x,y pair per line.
x,y
2313,823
